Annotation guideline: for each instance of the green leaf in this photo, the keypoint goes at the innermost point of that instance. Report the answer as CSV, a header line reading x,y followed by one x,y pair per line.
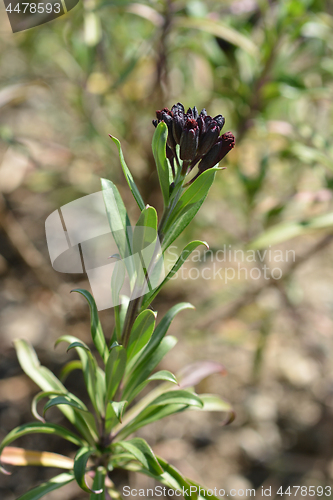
x,y
22,457
165,346
80,465
161,375
37,427
128,176
145,232
45,488
89,369
211,402
95,325
30,364
39,397
141,332
47,381
144,368
175,479
145,247
68,368
114,414
288,230
117,281
159,333
164,375
162,164
177,397
180,261
64,400
114,370
171,478
188,205
162,406
118,219
100,390
78,344
141,450
99,484
118,409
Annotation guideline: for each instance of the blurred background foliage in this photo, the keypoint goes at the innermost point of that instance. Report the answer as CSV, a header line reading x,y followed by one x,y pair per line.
x,y
105,68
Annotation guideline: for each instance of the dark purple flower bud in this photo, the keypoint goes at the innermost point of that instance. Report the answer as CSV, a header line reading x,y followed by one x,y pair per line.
x,y
178,107
166,116
189,140
203,112
178,123
220,120
195,113
208,138
202,125
189,113
222,147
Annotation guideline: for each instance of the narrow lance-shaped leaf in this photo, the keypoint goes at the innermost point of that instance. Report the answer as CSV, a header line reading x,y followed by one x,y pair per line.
x,y
80,465
211,402
118,219
114,370
141,450
38,397
164,375
171,478
128,176
117,281
114,413
23,457
47,381
45,488
162,164
287,230
177,397
166,404
188,205
89,369
96,327
141,332
145,246
36,428
140,372
174,477
99,484
165,346
64,400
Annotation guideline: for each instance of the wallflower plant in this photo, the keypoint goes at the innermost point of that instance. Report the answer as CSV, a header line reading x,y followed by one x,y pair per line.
x,y
126,364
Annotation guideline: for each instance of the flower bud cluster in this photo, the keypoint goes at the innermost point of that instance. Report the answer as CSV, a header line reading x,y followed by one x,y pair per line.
x,y
198,137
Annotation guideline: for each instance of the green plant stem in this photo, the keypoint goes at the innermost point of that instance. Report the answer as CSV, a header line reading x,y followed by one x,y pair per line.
x,y
135,304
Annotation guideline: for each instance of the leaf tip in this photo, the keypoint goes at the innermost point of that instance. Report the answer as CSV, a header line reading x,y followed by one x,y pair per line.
x,y
5,471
